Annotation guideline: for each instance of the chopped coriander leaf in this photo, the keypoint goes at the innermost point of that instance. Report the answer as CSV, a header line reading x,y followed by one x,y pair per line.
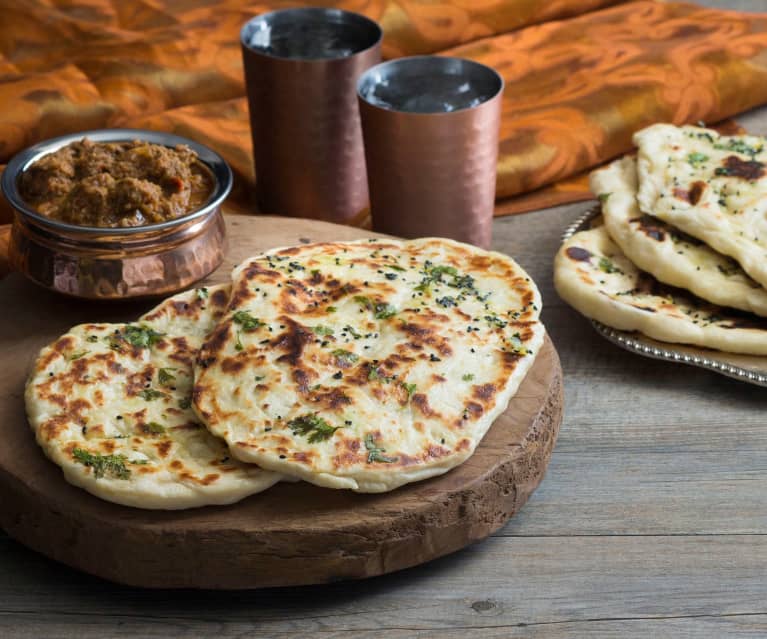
x,y
322,330
247,321
352,332
409,388
185,403
516,343
384,311
381,310
394,267
140,336
238,344
77,355
92,339
202,293
363,301
697,158
374,374
317,428
103,465
165,375
606,266
150,394
496,321
468,377
155,428
602,197
739,146
331,309
345,356
258,378
375,451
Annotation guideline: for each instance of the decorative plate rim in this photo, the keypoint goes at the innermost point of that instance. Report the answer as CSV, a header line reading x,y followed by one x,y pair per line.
x,y
630,342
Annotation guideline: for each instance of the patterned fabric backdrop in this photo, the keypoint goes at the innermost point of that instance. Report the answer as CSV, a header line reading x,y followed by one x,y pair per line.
x,y
581,75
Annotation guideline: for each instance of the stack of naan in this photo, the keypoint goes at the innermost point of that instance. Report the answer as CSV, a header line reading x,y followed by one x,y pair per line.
x,y
360,365
681,255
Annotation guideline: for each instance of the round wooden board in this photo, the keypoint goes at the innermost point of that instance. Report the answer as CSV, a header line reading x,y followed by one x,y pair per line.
x,y
292,534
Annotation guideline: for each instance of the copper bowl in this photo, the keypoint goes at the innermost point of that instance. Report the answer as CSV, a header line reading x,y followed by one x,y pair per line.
x,y
117,263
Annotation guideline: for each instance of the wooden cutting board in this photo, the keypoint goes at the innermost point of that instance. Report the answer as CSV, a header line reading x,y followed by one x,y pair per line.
x,y
291,534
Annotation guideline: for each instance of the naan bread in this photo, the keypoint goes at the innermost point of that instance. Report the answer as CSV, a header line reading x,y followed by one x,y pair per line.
x,y
664,251
111,405
367,365
597,279
710,186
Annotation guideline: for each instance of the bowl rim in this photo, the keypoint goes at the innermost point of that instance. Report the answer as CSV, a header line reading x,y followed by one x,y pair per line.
x,y
20,162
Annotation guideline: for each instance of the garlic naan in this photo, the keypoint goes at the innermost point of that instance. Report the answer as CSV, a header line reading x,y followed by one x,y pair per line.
x,y
111,405
367,365
709,186
598,280
666,253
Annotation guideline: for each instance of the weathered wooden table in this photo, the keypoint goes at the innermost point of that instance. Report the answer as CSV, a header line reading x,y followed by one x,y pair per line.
x,y
651,522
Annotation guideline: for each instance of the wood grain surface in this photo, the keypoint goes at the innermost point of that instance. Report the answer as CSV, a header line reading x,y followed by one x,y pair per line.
x,y
651,521
293,534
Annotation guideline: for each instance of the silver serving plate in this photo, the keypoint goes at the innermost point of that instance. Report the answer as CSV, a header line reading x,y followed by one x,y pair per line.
x,y
747,368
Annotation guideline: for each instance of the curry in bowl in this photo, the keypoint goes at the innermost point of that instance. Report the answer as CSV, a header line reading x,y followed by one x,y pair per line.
x,y
116,184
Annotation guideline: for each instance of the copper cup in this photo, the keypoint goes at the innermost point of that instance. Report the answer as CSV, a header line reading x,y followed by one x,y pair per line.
x,y
301,71
430,125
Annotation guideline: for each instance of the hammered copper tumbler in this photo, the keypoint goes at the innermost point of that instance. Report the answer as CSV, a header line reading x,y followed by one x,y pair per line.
x,y
301,71
430,125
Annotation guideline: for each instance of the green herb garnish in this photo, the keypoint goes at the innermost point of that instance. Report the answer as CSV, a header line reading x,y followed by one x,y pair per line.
x,y
150,394
154,428
468,377
394,267
322,330
606,266
375,451
141,336
165,376
77,355
739,146
375,375
314,426
202,293
516,343
247,321
331,309
352,332
346,357
185,403
111,465
697,158
410,388
381,310
602,197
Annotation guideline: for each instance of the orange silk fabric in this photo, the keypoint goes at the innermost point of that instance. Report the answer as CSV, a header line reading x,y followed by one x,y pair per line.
x,y
576,87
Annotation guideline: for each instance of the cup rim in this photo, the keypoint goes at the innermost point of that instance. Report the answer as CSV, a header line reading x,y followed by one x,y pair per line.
x,y
20,162
324,11
409,59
